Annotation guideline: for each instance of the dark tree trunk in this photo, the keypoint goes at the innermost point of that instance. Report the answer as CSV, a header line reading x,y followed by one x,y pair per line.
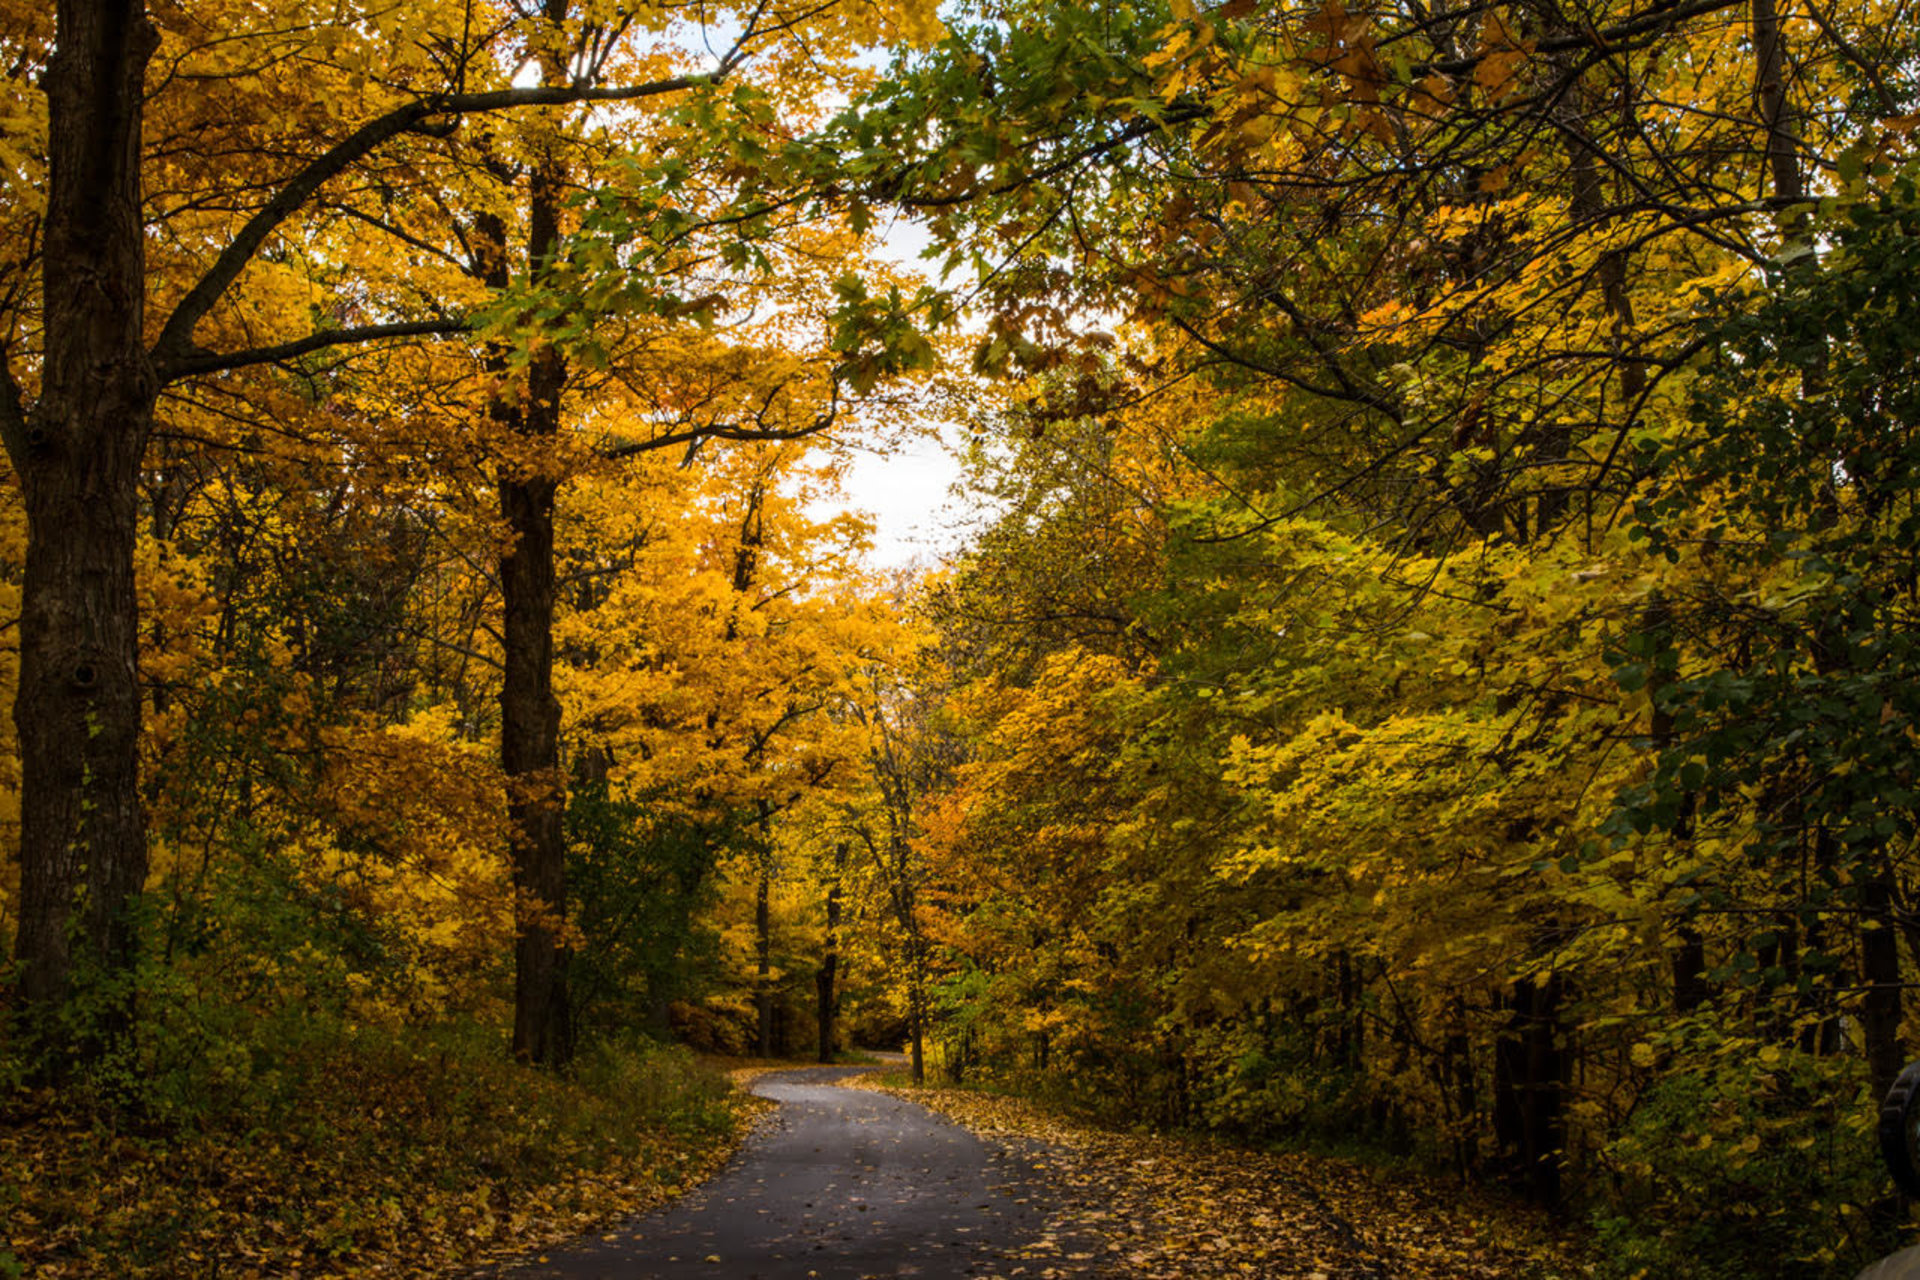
x,y
1348,1031
917,1026
529,712
830,960
763,961
1689,970
1880,975
83,849
530,751
1457,1071
1530,1078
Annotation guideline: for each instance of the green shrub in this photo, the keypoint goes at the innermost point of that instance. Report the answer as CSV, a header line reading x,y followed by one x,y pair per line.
x,y
1742,1168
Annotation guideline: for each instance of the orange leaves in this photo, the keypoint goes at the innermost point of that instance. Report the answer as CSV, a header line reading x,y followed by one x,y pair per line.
x,y
1347,49
1501,55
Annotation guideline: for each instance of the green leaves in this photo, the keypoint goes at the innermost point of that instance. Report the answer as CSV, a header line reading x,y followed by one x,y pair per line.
x,y
883,336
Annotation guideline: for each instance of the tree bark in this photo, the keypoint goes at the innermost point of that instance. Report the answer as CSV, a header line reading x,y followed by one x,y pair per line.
x,y
1530,1079
530,752
763,961
830,961
917,1025
83,850
529,711
1880,1009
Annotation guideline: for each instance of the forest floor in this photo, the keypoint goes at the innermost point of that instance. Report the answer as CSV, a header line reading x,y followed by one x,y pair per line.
x,y
1152,1206
382,1154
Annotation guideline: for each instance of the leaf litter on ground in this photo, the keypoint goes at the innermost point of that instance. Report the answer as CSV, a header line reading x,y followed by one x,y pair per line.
x,y
1155,1206
397,1165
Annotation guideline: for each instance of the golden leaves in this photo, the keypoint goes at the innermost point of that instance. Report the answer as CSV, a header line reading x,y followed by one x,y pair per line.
x,y
407,1160
1165,1208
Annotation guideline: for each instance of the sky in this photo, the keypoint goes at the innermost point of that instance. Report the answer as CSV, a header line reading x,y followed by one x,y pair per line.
x,y
911,494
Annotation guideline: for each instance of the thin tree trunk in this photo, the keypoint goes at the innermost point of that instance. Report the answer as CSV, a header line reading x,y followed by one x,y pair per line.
x,y
1880,975
830,961
763,960
917,1018
1530,1079
83,845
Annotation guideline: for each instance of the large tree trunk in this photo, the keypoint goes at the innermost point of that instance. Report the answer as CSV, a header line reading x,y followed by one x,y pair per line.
x,y
530,748
82,831
529,712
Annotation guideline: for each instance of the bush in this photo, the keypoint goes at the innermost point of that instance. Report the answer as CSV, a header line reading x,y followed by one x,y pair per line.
x,y
1744,1167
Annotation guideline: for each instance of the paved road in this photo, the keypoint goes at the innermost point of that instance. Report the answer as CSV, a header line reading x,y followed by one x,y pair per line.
x,y
839,1184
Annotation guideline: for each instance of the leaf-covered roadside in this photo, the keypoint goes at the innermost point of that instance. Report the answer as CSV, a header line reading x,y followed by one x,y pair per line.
x,y
386,1158
1165,1207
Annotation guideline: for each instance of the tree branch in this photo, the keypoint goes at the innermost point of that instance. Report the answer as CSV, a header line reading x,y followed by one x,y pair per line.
x,y
13,415
730,431
198,361
174,349
1659,18
719,431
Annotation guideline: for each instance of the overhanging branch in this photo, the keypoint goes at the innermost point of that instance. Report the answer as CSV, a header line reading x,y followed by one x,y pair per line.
x,y
749,432
198,361
174,352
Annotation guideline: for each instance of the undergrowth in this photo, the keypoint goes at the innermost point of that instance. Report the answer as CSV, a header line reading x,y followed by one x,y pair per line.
x,y
331,1149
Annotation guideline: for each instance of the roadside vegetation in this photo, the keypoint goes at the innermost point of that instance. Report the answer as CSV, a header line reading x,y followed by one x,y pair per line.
x,y
346,1152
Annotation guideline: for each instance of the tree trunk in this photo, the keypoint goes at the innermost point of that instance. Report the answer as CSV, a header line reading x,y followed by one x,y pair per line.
x,y
529,712
830,961
1462,1088
82,830
1689,970
529,753
1777,114
917,1027
763,961
1880,974
1530,1079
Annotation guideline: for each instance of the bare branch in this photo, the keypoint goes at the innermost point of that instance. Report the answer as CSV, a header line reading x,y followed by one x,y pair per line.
x,y
696,436
199,361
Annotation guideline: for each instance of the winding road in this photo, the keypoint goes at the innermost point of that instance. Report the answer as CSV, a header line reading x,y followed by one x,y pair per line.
x,y
838,1184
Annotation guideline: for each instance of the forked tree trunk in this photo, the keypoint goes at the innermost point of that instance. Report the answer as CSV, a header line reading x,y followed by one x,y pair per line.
x,y
83,853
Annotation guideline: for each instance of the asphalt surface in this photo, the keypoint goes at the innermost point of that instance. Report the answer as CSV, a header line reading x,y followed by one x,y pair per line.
x,y
838,1184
